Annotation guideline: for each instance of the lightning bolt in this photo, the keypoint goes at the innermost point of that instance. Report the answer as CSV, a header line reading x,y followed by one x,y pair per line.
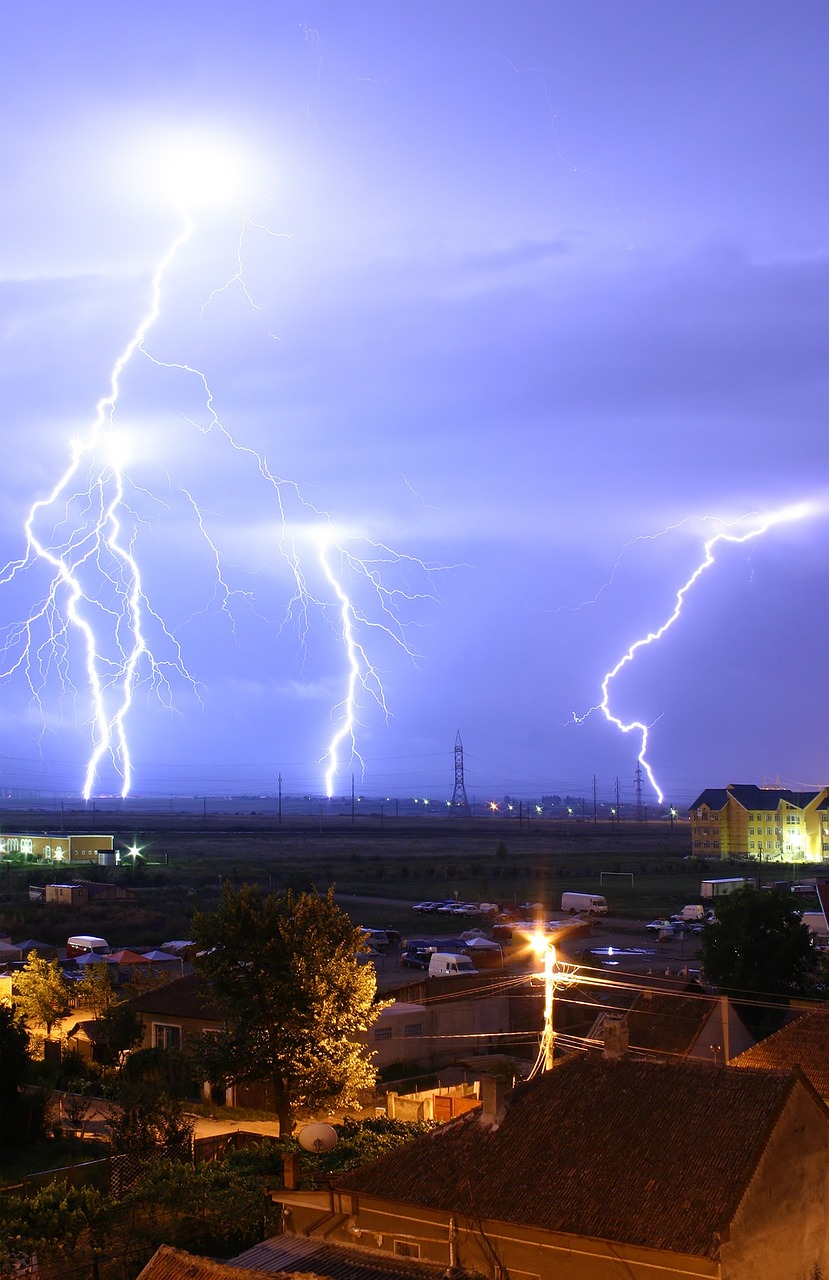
x,y
798,511
84,534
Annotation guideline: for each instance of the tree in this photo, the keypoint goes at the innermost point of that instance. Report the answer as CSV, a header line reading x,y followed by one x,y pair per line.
x,y
41,992
284,968
150,1096
94,991
758,945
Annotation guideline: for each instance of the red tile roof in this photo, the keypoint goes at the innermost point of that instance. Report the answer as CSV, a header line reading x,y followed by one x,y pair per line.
x,y
189,997
642,1152
803,1043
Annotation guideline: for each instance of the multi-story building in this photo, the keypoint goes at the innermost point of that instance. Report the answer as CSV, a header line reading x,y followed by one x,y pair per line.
x,y
746,821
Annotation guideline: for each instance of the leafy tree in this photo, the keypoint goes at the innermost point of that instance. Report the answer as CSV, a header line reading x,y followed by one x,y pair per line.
x,y
41,992
285,970
94,991
120,1029
150,1096
758,945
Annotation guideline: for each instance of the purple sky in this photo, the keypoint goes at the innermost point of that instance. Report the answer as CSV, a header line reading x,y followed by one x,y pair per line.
x,y
520,286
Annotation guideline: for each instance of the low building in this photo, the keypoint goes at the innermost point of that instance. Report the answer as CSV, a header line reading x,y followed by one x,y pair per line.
x,y
746,821
61,848
600,1169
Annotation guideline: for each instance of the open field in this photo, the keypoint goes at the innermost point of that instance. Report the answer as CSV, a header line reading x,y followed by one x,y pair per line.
x,y
386,865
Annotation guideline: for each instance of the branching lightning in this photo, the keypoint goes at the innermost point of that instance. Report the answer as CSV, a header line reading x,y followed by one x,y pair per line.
x,y
799,511
84,534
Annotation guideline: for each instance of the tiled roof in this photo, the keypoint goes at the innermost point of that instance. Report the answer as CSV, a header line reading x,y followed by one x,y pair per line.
x,y
174,1264
667,1022
336,1261
803,1043
188,997
642,1152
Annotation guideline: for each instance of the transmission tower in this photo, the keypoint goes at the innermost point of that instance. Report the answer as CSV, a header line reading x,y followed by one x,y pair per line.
x,y
637,777
459,797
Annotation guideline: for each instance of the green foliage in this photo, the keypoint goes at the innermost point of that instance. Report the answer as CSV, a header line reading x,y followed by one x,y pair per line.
x,y
94,991
758,945
52,1223
150,1115
121,1029
360,1141
41,992
294,994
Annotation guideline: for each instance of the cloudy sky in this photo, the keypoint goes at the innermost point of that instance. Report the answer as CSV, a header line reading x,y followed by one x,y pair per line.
x,y
463,328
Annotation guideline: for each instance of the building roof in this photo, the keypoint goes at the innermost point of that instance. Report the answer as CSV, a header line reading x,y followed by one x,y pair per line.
x,y
335,1261
189,997
803,1043
667,1021
715,797
643,1152
174,1264
750,796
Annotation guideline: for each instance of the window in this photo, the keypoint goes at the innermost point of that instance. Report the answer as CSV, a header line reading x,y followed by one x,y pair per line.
x,y
413,1029
382,1033
406,1249
165,1036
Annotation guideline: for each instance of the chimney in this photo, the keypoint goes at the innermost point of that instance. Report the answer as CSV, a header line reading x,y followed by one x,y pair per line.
x,y
493,1093
615,1038
290,1170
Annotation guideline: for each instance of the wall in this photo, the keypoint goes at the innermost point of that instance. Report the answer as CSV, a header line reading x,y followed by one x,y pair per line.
x,y
781,1227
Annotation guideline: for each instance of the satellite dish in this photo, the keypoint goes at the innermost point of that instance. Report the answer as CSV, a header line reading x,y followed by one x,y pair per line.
x,y
318,1138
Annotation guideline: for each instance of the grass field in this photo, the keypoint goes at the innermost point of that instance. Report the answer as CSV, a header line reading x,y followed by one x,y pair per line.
x,y
387,864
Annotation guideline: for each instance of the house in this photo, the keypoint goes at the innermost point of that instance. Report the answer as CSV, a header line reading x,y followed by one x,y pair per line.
x,y
427,1033
746,821
803,1043
602,1168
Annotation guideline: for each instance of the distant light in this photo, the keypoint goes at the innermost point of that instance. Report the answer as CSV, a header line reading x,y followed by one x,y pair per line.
x,y
538,809
493,806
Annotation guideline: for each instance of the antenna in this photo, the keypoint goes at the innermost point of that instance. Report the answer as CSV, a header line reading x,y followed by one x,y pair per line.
x,y
459,797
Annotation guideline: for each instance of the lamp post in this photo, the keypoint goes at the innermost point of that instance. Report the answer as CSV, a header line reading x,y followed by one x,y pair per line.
x,y
554,974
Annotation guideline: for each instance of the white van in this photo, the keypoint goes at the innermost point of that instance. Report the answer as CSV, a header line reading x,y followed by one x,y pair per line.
x,y
591,904
84,944
443,964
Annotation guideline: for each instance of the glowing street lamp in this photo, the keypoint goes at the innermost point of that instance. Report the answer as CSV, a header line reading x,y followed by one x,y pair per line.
x,y
554,974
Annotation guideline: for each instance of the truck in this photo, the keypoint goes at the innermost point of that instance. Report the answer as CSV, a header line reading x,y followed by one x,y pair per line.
x,y
591,904
726,884
443,964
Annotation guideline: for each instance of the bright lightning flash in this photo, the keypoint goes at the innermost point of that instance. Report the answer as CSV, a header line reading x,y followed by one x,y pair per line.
x,y
799,511
84,534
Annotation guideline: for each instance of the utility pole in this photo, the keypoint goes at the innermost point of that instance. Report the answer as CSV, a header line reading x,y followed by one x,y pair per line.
x,y
618,805
279,793
352,799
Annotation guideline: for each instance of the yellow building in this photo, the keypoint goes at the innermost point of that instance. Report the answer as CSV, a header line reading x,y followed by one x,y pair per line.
x,y
80,848
746,821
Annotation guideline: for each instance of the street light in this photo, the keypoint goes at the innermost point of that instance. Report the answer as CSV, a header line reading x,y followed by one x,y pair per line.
x,y
555,974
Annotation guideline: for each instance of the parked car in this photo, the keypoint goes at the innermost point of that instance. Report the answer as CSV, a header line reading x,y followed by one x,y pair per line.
x,y
661,924
425,908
